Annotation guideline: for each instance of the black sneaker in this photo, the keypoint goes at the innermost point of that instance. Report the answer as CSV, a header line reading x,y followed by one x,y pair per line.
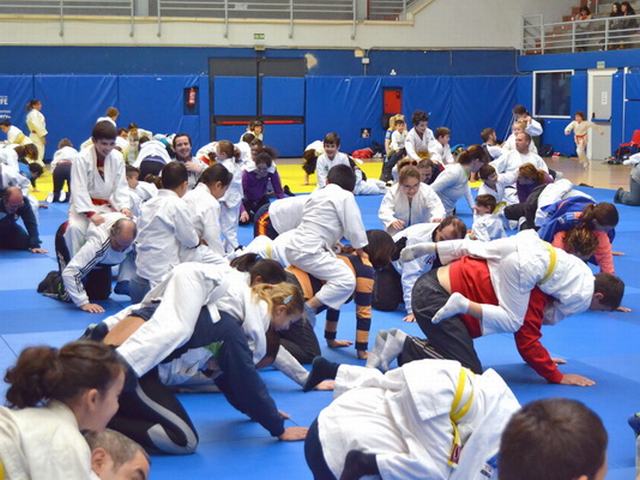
x,y
618,196
95,332
288,191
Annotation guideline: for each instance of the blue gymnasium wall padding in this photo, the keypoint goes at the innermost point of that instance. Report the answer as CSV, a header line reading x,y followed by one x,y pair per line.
x,y
156,103
15,92
233,133
72,104
343,105
234,95
283,96
288,140
479,102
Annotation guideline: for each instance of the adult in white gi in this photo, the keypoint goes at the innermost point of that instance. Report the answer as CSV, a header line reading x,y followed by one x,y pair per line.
x,y
419,137
329,214
510,144
330,158
517,264
428,419
513,159
408,202
99,185
106,245
183,149
37,127
164,227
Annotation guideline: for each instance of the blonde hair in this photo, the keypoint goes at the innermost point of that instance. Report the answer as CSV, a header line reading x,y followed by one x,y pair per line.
x,y
393,119
282,293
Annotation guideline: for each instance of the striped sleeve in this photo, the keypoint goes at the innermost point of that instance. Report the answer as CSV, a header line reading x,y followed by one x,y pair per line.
x,y
90,255
362,297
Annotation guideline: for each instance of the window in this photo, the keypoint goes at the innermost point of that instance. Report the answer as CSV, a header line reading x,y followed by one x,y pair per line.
x,y
552,94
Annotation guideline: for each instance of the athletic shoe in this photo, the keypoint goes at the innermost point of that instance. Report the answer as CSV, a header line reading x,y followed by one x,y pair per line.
x,y
95,332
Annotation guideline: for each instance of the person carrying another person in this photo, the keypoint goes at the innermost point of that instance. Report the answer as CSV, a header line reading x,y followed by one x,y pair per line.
x,y
164,227
408,202
99,185
331,157
278,217
431,419
86,276
512,159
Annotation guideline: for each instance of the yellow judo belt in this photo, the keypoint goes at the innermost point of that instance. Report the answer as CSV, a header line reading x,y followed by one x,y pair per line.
x,y
553,261
457,413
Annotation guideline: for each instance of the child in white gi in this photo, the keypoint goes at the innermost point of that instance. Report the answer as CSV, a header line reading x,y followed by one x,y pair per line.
x,y
98,183
330,214
231,202
439,148
419,137
331,157
580,128
488,224
427,419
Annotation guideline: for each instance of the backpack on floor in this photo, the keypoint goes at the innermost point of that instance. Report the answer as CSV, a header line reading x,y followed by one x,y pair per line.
x,y
545,151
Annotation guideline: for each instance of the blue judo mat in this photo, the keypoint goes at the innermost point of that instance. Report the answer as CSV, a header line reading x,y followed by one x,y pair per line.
x,y
602,346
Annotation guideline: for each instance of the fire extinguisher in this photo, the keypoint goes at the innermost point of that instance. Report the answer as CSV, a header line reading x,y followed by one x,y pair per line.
x,y
192,97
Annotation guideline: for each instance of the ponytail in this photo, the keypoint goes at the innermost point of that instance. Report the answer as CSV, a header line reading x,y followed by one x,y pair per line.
x,y
282,293
216,173
31,104
606,214
581,241
46,373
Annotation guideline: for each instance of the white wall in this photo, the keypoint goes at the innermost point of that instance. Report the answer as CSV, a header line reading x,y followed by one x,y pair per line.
x,y
441,24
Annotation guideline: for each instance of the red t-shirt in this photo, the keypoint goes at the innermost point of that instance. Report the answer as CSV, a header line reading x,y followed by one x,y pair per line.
x,y
470,277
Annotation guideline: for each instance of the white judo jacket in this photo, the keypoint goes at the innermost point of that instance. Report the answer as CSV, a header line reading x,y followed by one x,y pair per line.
x,y
404,417
425,207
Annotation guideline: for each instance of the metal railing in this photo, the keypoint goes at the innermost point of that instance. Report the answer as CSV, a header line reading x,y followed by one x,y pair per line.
x,y
62,8
607,33
389,10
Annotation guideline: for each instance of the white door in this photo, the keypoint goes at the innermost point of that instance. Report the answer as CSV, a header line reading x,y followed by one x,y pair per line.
x,y
599,95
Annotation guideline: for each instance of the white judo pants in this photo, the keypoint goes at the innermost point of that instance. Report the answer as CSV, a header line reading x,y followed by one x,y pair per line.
x,y
229,219
340,281
76,233
38,142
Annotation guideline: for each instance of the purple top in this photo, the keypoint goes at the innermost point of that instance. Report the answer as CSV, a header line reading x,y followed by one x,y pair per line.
x,y
255,188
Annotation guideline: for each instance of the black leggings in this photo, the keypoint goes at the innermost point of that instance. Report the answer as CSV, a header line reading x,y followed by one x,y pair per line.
x,y
61,174
301,341
450,338
314,455
526,209
387,289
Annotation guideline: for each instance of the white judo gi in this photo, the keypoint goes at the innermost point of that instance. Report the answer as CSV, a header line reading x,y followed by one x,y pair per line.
x,y
329,214
152,148
286,213
417,146
164,227
9,156
451,185
425,206
513,159
11,177
324,164
43,443
428,419
204,211
488,226
441,153
411,270
554,192
505,191
517,265
16,136
94,193
38,131
230,205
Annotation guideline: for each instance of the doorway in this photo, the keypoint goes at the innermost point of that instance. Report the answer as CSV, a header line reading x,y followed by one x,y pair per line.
x,y
600,89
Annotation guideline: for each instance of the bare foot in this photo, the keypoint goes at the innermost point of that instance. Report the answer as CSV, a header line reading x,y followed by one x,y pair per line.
x,y
362,354
339,343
